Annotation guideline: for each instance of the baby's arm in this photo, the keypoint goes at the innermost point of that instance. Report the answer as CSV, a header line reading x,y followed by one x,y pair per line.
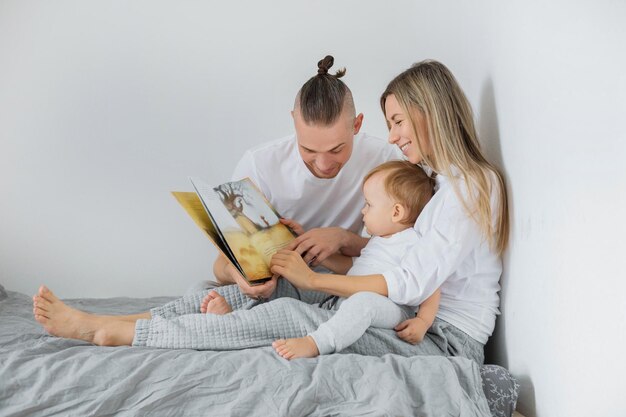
x,y
338,263
414,330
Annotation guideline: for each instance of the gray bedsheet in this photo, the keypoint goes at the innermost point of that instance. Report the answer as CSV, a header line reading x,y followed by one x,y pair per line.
x,y
44,375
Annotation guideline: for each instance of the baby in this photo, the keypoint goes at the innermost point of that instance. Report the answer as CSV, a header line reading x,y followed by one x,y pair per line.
x,y
395,194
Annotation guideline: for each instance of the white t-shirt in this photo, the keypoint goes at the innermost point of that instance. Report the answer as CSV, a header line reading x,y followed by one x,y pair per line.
x,y
383,253
451,253
279,171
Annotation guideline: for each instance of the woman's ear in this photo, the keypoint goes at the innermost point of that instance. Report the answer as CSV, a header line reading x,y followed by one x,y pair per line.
x,y
398,213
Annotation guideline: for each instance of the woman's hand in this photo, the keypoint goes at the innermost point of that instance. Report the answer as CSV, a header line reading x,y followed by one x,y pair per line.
x,y
318,244
412,330
290,265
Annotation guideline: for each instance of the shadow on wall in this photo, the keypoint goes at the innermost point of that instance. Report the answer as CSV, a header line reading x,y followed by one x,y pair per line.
x,y
489,133
496,349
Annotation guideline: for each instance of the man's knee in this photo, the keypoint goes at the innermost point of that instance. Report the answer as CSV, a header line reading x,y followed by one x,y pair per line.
x,y
285,302
202,286
366,298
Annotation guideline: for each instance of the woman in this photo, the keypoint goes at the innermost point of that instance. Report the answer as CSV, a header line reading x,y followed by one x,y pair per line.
x,y
464,228
463,231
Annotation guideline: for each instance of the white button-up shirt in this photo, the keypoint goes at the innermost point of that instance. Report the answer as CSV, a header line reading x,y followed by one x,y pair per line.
x,y
452,254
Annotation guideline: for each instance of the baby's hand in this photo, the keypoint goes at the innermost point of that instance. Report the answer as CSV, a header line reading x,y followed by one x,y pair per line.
x,y
290,265
412,330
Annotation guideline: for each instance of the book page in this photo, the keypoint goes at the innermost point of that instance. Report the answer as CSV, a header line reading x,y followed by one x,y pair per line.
x,y
256,217
234,231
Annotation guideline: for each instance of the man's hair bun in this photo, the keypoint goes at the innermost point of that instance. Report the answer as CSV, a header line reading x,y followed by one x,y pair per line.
x,y
325,64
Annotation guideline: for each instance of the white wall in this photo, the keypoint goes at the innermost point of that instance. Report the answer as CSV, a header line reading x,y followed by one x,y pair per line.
x,y
548,84
107,106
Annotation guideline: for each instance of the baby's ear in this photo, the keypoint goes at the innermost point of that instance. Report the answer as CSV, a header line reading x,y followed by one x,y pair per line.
x,y
398,213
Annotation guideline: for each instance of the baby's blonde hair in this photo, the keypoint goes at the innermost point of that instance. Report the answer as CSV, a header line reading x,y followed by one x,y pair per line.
x,y
406,183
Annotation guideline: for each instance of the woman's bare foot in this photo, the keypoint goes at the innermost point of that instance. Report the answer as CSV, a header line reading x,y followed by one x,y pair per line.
x,y
60,320
301,347
214,303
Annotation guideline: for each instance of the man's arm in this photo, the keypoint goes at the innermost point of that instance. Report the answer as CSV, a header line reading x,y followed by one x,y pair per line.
x,y
318,244
322,242
353,244
223,276
338,263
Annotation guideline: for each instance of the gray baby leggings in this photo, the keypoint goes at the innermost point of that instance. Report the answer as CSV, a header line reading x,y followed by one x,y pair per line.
x,y
354,316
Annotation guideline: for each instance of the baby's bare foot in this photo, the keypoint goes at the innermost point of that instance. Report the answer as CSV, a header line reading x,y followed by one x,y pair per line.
x,y
58,319
301,347
214,303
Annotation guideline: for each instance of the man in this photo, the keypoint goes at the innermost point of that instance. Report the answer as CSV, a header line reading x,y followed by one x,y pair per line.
x,y
314,177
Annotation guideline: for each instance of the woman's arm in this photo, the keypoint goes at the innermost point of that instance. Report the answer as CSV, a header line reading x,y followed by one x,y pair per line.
x,y
413,330
346,285
449,236
428,309
290,265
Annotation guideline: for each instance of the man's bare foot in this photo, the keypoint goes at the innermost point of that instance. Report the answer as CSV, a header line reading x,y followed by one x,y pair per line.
x,y
301,347
60,320
214,303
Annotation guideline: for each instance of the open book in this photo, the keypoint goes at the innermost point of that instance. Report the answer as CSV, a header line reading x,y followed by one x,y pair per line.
x,y
239,220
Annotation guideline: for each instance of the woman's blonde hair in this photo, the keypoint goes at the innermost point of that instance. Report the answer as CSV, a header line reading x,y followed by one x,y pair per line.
x,y
430,87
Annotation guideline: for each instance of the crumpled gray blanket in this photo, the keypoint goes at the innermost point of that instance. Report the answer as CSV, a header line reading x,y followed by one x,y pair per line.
x,y
41,375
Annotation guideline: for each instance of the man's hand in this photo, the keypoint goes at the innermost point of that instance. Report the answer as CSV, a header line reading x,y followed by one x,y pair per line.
x,y
261,291
291,266
226,273
412,330
293,225
318,244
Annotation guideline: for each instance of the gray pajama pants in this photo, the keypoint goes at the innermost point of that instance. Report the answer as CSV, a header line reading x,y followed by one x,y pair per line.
x,y
180,325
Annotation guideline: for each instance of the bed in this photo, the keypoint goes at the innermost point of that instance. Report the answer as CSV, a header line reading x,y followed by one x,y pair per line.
x,y
42,375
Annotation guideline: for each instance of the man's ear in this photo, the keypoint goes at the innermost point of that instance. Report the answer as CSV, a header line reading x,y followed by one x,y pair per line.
x,y
398,213
358,122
